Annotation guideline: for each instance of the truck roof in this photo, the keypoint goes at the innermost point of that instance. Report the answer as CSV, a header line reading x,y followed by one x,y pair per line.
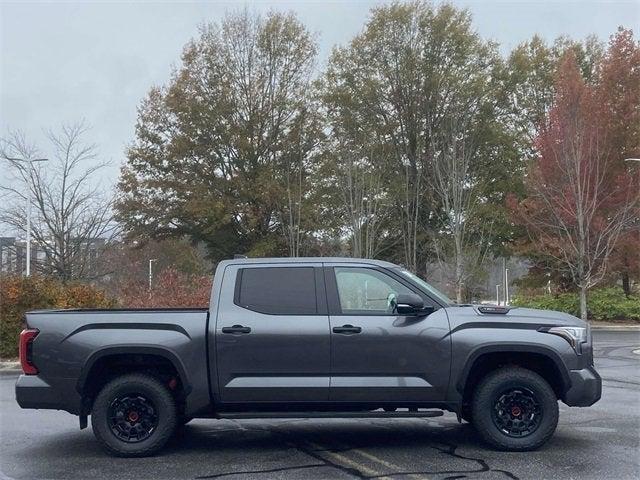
x,y
367,261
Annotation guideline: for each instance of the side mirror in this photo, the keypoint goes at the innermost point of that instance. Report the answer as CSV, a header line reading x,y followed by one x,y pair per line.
x,y
411,304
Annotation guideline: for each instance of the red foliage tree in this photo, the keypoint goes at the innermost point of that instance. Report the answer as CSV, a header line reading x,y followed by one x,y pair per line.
x,y
625,259
619,87
170,289
579,195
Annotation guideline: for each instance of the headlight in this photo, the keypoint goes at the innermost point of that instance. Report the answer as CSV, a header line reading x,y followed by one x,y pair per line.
x,y
576,336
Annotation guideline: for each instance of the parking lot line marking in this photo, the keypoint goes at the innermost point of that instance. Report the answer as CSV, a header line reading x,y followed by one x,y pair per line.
x,y
388,464
347,461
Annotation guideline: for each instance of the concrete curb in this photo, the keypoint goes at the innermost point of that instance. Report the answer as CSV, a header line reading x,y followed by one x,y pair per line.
x,y
10,368
616,328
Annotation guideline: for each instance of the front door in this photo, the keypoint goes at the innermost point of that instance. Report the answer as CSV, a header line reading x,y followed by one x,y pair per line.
x,y
377,355
272,334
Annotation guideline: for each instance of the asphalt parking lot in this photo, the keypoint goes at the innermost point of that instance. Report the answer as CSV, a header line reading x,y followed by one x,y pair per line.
x,y
598,442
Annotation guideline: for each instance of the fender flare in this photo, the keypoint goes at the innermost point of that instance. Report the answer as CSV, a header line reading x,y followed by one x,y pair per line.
x,y
134,350
513,348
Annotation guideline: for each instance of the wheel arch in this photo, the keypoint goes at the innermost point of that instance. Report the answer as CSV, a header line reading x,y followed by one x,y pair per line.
x,y
144,350
537,358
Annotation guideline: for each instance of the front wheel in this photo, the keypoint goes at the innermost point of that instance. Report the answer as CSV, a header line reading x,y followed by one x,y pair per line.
x,y
134,415
515,409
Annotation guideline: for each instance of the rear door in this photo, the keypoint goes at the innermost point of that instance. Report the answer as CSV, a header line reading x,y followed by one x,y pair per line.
x,y
272,334
377,355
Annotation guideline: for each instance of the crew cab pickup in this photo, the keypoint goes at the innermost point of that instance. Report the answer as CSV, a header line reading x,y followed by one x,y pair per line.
x,y
308,337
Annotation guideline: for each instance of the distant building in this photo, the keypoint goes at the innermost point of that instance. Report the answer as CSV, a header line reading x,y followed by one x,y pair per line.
x,y
13,255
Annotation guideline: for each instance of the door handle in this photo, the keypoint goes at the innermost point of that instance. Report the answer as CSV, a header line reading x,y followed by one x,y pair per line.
x,y
347,329
236,329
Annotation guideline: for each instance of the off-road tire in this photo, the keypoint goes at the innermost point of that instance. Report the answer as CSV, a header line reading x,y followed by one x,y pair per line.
x,y
486,395
156,392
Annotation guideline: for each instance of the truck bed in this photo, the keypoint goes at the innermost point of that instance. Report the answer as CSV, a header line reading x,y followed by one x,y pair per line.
x,y
70,342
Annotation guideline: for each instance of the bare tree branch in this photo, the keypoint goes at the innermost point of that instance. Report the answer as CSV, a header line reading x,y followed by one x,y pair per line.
x,y
72,213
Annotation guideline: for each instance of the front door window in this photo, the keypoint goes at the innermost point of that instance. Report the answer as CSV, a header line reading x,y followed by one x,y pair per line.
x,y
367,291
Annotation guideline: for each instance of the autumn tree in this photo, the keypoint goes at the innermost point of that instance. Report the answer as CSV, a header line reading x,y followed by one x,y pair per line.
x,y
393,87
619,86
127,263
579,199
222,153
529,79
461,245
361,199
171,289
525,97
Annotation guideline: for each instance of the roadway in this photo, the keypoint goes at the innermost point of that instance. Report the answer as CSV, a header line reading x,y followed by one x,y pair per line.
x,y
602,441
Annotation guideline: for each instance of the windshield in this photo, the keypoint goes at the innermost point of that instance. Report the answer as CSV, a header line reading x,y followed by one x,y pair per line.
x,y
425,286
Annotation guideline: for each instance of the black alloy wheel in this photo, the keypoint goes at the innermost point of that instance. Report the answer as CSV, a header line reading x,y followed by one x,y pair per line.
x,y
517,412
132,418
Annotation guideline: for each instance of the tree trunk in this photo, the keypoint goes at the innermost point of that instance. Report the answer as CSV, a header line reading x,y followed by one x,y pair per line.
x,y
459,293
583,303
626,284
459,271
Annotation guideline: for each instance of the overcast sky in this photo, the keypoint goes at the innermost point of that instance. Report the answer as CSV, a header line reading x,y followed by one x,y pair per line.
x,y
65,61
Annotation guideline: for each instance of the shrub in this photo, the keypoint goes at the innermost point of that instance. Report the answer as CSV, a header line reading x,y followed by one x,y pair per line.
x,y
603,304
171,289
20,294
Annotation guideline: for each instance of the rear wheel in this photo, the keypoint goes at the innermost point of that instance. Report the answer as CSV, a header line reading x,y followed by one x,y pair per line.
x,y
134,415
515,409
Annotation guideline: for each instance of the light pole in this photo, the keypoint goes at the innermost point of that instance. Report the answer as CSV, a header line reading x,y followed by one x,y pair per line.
x,y
151,272
506,287
30,162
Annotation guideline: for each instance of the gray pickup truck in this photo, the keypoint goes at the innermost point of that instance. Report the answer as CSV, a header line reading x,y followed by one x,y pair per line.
x,y
308,337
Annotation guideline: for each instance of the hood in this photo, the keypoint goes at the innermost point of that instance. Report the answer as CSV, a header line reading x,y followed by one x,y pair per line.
x,y
534,315
516,315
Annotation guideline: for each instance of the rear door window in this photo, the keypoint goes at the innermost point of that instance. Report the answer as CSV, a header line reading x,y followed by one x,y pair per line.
x,y
277,290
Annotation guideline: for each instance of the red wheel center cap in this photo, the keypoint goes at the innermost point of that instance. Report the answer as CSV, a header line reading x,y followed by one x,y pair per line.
x,y
516,411
133,416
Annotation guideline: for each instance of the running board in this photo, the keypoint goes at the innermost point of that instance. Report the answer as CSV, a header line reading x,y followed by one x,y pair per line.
x,y
374,414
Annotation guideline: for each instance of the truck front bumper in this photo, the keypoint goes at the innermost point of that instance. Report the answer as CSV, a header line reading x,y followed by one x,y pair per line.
x,y
34,392
586,388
